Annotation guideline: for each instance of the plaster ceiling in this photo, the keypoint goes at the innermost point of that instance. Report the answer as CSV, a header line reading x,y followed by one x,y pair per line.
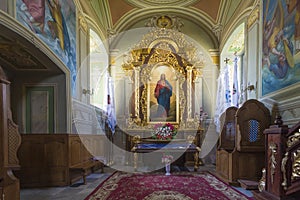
x,y
213,18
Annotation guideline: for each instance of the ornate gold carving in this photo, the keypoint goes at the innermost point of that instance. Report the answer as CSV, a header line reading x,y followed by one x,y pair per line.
x,y
190,139
283,170
262,181
254,16
82,22
293,139
296,165
273,163
136,139
165,21
161,47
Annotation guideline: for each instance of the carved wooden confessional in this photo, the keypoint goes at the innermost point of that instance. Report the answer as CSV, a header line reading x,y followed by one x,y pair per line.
x,y
10,141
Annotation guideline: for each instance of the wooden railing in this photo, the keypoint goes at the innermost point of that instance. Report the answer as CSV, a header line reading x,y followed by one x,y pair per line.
x,y
282,172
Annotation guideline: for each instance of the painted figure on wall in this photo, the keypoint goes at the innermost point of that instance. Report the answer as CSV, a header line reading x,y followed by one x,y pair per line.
x,y
35,11
163,92
281,64
54,22
58,25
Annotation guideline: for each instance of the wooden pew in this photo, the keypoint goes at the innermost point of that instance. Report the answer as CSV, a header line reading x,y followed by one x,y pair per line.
x,y
282,164
246,159
82,162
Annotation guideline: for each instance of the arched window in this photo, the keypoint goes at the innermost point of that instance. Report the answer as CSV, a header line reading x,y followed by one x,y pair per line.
x,y
98,71
230,81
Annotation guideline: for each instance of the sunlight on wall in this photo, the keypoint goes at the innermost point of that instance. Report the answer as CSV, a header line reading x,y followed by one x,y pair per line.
x,y
98,69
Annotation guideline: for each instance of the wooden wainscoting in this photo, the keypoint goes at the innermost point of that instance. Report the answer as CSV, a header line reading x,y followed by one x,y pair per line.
x,y
57,159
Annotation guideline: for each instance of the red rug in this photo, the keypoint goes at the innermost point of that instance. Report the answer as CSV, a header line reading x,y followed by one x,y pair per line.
x,y
157,186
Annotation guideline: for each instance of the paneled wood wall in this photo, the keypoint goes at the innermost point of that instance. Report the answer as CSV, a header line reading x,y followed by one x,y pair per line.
x,y
46,159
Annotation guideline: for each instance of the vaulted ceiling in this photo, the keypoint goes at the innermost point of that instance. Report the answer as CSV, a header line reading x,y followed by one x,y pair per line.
x,y
214,18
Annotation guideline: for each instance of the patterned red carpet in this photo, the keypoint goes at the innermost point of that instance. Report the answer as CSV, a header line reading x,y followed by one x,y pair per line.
x,y
157,186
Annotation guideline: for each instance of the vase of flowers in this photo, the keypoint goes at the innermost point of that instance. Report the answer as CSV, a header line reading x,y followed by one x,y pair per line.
x,y
164,131
167,160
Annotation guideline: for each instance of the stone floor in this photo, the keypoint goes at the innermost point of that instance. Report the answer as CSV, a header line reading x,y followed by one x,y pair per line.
x,y
78,191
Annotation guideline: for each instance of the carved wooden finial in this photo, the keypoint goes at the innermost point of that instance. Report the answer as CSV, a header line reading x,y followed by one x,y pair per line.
x,y
226,60
278,120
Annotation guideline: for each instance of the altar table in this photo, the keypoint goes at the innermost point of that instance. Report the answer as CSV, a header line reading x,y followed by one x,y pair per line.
x,y
177,147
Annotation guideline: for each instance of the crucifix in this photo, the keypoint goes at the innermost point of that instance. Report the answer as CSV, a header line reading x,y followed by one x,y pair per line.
x,y
226,60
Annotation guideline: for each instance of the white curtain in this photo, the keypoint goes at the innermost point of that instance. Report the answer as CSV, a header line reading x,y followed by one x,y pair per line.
x,y
235,86
228,91
223,98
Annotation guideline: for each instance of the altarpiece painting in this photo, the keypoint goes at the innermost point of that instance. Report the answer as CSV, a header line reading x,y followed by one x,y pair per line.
x,y
163,68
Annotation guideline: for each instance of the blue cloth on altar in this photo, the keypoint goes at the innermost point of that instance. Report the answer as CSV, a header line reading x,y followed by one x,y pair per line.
x,y
176,146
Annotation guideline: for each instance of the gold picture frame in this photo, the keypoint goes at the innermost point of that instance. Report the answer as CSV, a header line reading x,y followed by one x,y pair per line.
x,y
154,109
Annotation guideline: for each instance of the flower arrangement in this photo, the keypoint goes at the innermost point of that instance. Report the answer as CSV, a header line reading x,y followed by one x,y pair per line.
x,y
164,131
167,159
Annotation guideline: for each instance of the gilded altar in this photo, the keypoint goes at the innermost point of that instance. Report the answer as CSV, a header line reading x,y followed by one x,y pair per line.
x,y
164,50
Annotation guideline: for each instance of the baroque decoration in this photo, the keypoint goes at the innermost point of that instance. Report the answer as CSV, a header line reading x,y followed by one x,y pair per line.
x,y
164,45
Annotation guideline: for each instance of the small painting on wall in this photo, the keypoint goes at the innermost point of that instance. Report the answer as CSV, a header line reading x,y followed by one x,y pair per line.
x,y
54,22
281,45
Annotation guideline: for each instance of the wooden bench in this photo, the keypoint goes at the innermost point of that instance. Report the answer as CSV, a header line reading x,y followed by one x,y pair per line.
x,y
85,169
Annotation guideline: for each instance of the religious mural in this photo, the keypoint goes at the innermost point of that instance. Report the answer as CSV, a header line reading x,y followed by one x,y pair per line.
x,y
54,22
281,44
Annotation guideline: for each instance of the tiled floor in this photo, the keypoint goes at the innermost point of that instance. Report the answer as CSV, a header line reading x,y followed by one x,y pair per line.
x,y
79,191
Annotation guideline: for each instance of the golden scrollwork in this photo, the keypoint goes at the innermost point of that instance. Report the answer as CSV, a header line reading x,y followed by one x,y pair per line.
x,y
283,170
293,139
136,139
161,46
296,165
262,181
273,163
190,139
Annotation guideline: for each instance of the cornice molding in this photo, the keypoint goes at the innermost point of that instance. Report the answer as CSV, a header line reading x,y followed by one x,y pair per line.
x,y
159,3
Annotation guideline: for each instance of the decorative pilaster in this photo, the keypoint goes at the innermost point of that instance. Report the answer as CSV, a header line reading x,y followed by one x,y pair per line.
x,y
137,93
189,93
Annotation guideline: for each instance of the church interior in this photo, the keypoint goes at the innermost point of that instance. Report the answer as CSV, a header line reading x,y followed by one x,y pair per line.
x,y
112,85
